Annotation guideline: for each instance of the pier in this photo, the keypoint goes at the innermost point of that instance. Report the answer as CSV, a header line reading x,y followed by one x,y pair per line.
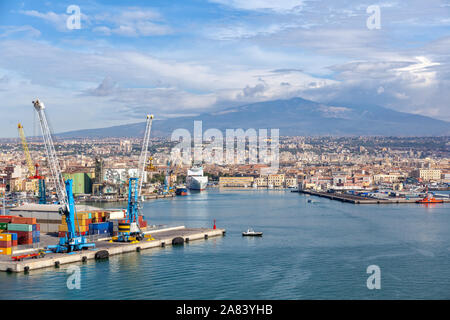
x,y
124,199
104,249
361,200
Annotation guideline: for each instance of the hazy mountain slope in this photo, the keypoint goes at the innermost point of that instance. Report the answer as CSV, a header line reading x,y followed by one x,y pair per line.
x,y
295,116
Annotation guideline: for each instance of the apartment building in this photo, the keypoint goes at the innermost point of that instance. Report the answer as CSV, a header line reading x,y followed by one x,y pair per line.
x,y
428,174
236,181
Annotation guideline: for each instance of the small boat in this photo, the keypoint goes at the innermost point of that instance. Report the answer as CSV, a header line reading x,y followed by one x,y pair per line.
x,y
181,191
251,233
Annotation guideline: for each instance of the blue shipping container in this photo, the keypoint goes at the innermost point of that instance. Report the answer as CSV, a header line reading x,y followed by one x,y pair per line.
x,y
99,226
13,235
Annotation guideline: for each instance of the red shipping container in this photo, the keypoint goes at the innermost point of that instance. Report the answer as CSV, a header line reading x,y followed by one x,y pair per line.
x,y
28,241
8,217
24,237
38,227
14,243
5,244
27,234
21,220
5,220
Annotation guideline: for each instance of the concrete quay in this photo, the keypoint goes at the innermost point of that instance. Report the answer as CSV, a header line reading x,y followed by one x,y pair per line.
x,y
124,199
361,200
104,248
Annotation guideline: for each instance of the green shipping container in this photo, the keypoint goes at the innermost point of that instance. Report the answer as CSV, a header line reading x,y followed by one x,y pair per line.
x,y
20,227
82,182
3,226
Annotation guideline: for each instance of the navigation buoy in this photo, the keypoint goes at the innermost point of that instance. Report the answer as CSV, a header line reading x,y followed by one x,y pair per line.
x,y
214,224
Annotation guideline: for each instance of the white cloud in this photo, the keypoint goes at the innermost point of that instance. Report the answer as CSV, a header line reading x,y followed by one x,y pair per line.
x,y
6,31
275,49
419,73
131,22
103,30
280,6
58,20
413,85
112,83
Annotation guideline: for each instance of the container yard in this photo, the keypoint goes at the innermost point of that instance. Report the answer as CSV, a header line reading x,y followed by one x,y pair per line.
x,y
22,248
75,233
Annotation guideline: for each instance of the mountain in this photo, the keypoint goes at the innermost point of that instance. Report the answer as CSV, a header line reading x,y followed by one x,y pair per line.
x,y
294,116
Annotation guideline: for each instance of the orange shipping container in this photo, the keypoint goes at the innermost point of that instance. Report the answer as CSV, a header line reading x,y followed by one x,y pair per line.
x,y
21,220
5,237
7,251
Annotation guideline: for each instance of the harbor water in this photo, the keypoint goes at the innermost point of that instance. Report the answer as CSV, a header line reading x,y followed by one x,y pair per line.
x,y
318,250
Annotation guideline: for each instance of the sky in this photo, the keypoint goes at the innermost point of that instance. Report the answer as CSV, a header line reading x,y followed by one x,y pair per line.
x,y
181,58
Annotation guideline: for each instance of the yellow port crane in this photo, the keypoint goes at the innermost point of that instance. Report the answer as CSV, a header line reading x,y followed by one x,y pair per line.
x,y
31,167
150,166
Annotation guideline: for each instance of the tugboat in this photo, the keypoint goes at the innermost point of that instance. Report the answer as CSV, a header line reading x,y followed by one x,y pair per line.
x,y
429,199
251,233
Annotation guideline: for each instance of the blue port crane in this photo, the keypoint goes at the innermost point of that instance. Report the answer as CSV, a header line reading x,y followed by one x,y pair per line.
x,y
167,187
42,192
64,191
129,230
42,189
72,241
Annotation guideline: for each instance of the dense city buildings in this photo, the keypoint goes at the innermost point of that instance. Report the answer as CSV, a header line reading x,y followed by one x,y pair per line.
x,y
101,167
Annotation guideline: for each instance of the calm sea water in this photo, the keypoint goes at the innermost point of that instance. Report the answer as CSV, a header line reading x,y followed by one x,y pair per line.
x,y
308,251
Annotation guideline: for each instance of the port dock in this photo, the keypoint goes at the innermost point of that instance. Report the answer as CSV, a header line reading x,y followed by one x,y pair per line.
x,y
123,199
355,199
104,248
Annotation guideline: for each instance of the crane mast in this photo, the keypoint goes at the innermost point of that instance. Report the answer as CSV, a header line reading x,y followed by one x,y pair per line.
x,y
31,168
51,155
72,241
144,151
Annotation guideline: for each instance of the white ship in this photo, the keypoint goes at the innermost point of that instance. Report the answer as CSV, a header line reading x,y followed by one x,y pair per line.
x,y
195,179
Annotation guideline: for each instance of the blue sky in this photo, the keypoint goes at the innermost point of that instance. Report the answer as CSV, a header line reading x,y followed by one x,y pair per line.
x,y
176,58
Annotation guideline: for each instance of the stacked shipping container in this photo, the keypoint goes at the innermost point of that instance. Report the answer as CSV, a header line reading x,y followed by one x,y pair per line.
x,y
92,222
16,231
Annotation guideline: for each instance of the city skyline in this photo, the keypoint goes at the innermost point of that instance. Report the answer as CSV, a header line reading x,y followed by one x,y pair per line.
x,y
182,59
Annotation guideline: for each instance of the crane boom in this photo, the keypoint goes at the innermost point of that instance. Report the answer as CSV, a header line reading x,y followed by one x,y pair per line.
x,y
31,168
51,155
144,151
72,241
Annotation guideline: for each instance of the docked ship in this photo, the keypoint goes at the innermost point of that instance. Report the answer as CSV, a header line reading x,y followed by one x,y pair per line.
x,y
195,179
